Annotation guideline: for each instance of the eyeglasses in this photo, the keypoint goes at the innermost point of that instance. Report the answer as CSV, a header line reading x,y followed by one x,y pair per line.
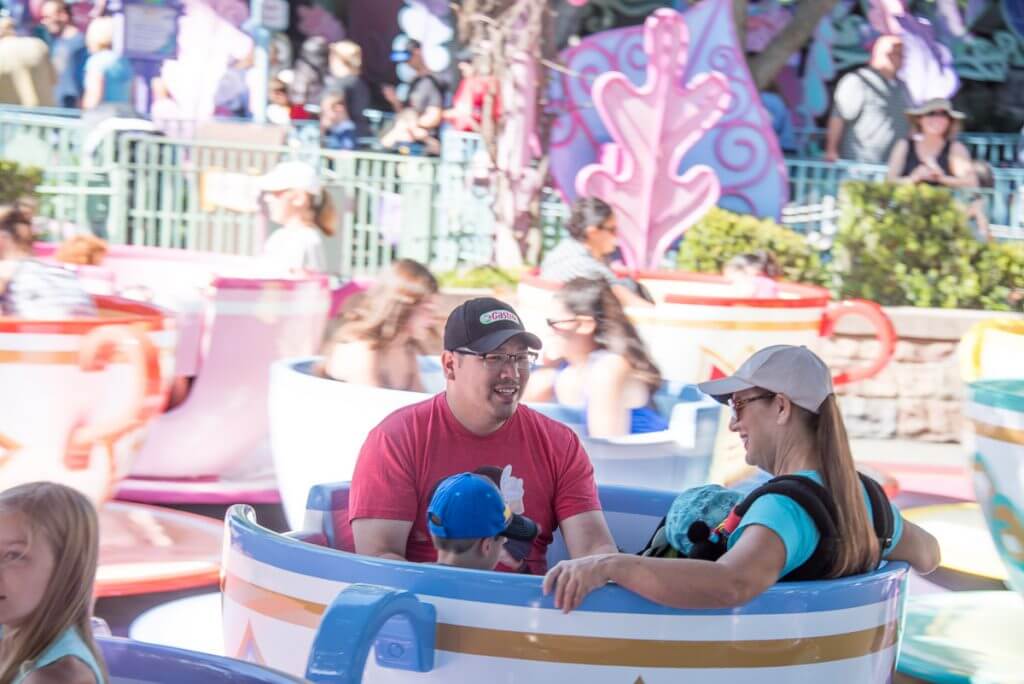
x,y
495,360
737,404
613,229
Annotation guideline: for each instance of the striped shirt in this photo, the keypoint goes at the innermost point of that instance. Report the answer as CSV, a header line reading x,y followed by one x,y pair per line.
x,y
45,291
571,259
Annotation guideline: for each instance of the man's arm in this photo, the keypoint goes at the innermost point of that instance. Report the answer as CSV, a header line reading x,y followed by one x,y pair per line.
x,y
430,118
586,534
381,538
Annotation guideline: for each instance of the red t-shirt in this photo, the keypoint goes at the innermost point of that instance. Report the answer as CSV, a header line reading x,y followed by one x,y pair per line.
x,y
416,446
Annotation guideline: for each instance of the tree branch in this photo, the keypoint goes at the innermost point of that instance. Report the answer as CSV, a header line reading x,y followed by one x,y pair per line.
x,y
766,65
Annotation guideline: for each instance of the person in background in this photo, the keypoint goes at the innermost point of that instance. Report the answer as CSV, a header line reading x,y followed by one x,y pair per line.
x,y
68,52
786,413
607,373
345,78
932,154
868,107
425,98
337,130
27,77
310,70
753,275
296,201
279,109
8,28
30,288
49,551
380,338
471,97
108,75
584,254
782,119
470,523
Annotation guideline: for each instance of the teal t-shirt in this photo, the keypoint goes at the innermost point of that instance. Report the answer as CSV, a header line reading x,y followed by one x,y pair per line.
x,y
796,528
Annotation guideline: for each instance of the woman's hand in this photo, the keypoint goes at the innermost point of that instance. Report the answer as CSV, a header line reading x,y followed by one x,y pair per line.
x,y
571,580
923,174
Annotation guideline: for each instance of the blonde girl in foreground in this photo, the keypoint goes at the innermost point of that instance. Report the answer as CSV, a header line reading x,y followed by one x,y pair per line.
x,y
49,543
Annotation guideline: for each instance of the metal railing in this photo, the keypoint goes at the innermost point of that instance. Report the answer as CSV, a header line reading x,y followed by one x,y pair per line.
x,y
998,149
140,188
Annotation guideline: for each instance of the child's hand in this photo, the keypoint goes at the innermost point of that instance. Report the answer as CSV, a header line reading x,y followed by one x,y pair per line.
x,y
512,490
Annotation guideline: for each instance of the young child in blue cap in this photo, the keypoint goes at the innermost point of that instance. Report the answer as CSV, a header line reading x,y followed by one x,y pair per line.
x,y
469,522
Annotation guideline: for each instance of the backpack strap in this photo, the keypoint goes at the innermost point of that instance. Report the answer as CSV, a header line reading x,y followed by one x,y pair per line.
x,y
882,517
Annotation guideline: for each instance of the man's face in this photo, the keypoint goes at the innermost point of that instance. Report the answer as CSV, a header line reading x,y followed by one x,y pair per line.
x,y
888,53
54,18
486,387
416,59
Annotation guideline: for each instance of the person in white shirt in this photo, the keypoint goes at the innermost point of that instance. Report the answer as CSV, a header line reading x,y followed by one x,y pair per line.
x,y
296,201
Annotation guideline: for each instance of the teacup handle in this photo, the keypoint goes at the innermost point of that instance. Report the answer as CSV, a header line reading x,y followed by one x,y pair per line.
x,y
99,347
884,333
973,343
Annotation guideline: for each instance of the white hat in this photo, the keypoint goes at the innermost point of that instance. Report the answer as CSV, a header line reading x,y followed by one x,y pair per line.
x,y
292,175
796,372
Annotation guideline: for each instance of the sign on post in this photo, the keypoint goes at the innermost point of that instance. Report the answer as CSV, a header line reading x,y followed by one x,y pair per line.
x,y
149,29
271,14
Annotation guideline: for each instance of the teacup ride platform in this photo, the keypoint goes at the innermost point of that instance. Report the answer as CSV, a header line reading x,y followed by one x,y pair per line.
x,y
305,604
974,636
318,425
235,316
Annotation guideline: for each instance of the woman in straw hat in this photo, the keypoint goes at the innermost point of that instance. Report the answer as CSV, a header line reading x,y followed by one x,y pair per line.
x,y
932,154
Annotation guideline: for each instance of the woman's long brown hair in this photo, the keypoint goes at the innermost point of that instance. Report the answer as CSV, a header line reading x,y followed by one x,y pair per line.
x,y
613,330
381,314
65,520
857,550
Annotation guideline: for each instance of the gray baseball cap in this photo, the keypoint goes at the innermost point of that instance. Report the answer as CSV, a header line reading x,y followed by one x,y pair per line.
x,y
796,372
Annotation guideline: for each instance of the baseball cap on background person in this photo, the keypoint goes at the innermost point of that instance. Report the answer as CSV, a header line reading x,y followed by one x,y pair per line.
x,y
796,372
292,175
483,324
470,506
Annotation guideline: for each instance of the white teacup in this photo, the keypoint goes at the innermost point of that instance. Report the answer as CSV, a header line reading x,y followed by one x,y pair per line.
x,y
76,394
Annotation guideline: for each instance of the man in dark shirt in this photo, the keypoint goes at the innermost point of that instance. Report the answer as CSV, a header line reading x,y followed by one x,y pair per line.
x,y
425,96
67,52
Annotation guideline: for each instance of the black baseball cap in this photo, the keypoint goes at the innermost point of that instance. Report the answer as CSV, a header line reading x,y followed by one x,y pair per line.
x,y
484,324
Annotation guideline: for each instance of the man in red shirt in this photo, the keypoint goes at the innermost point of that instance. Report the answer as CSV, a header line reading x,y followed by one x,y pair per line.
x,y
476,422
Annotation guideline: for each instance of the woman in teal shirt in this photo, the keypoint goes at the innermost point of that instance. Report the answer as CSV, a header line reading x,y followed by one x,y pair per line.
x,y
786,414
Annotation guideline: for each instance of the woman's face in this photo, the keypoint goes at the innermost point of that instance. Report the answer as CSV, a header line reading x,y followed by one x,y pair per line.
x,y
284,205
755,422
935,123
424,318
603,238
26,565
568,332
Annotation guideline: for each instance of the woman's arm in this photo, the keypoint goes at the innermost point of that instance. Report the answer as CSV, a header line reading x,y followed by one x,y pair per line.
x,y
897,158
745,571
961,168
917,547
94,87
354,362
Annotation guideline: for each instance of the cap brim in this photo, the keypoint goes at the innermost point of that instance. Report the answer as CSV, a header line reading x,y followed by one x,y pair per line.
x,y
521,528
400,56
489,343
720,390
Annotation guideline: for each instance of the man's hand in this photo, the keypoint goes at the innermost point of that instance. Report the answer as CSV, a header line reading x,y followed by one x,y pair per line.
x,y
391,95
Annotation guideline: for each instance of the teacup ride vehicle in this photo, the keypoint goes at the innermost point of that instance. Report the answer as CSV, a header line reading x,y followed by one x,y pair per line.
x,y
318,425
134,662
304,603
236,316
974,636
80,395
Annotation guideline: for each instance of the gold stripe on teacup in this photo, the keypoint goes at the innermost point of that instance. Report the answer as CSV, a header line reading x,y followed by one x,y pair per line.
x,y
998,432
605,651
55,358
780,326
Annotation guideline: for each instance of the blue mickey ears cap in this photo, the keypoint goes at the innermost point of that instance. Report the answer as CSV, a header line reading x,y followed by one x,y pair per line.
x,y
708,503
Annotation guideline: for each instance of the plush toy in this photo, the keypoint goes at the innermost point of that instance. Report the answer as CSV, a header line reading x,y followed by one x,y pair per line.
x,y
692,519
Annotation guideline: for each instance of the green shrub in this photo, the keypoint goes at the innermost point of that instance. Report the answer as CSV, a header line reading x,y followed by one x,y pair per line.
x,y
901,244
18,181
721,235
479,277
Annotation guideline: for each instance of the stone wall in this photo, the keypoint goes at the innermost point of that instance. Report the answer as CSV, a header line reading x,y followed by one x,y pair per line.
x,y
919,394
